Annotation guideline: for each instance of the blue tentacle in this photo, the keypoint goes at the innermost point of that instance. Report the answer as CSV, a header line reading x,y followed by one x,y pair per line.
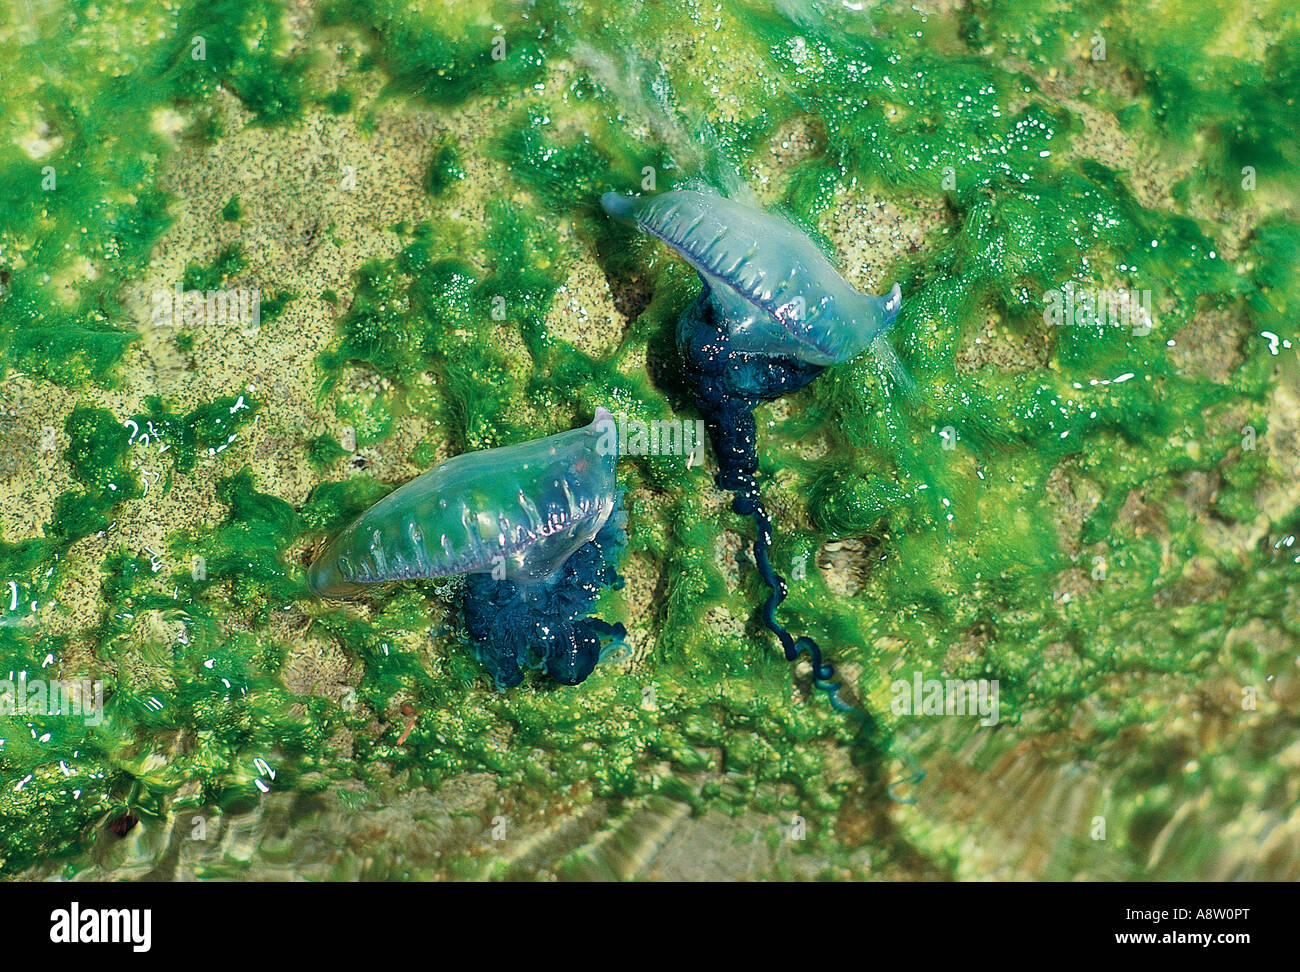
x,y
727,386
772,316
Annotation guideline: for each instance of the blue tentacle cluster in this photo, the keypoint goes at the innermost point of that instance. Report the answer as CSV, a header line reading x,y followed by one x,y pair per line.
x,y
728,384
545,625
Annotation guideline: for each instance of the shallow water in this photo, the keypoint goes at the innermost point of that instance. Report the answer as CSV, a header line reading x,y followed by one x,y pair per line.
x,y
1094,520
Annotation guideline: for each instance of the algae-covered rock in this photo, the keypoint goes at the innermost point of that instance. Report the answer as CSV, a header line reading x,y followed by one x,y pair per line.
x,y
1060,575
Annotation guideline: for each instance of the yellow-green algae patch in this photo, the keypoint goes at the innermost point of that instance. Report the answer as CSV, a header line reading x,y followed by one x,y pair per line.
x,y
1099,519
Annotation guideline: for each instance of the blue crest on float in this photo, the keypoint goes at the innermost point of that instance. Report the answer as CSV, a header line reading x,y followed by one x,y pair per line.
x,y
776,291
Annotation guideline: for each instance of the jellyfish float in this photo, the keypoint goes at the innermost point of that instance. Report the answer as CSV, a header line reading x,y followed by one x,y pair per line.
x,y
773,315
537,528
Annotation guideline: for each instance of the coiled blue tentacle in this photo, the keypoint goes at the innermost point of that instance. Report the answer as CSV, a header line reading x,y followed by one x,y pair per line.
x,y
822,671
613,640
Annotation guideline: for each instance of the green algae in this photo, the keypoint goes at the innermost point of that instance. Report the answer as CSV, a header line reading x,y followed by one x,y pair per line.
x,y
98,183
325,450
235,45
1195,86
447,55
233,210
226,265
444,169
964,549
92,761
209,428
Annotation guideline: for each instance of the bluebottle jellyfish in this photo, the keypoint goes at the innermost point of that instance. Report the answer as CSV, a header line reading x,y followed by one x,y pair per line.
x,y
537,528
773,315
